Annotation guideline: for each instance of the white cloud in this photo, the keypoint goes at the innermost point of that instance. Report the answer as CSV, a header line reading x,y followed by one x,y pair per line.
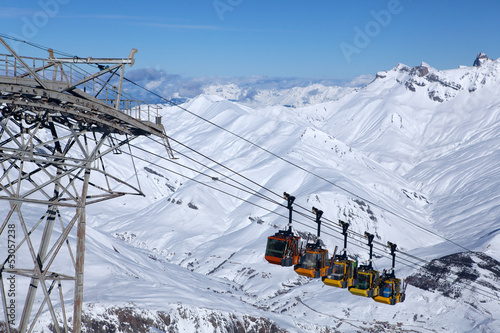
x,y
361,80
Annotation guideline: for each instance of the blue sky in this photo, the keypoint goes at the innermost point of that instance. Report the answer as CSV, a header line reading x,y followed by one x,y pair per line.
x,y
302,39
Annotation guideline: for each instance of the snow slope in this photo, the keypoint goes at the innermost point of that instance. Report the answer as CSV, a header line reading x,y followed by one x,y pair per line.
x,y
410,157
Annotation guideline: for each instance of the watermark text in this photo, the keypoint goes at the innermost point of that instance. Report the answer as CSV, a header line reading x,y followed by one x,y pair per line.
x,y
223,6
363,36
11,279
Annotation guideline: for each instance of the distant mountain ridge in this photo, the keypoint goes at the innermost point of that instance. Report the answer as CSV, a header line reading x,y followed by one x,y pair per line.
x,y
294,97
254,91
443,85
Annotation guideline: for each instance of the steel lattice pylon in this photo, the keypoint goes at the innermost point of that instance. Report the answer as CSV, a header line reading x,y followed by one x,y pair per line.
x,y
55,128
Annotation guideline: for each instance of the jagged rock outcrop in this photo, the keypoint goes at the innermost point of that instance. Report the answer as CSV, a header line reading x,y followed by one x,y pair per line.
x,y
453,274
444,85
480,59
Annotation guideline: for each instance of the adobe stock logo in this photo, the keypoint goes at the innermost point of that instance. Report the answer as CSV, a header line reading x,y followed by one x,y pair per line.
x,y
372,29
223,6
33,23
48,9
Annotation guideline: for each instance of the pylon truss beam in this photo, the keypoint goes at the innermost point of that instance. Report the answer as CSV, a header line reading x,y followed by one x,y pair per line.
x,y
80,109
20,149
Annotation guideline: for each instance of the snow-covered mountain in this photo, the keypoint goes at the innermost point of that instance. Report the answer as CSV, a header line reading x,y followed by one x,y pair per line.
x,y
293,97
411,157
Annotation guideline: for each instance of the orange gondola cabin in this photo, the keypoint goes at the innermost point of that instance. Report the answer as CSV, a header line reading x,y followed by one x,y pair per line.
x,y
283,248
314,258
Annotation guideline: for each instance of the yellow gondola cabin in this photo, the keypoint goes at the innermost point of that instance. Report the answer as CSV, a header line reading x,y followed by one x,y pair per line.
x,y
368,278
390,291
342,272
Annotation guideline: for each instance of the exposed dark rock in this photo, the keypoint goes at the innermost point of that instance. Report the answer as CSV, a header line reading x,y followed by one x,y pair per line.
x,y
419,71
410,86
156,173
480,59
129,320
436,78
256,219
3,328
192,206
434,95
451,274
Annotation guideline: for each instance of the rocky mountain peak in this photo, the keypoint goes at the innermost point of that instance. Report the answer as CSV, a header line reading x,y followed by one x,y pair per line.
x,y
480,59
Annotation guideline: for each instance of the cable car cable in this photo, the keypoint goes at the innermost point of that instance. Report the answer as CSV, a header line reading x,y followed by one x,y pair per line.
x,y
355,195
263,187
218,172
295,165
202,173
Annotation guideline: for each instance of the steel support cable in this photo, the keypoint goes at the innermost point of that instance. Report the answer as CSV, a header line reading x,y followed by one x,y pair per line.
x,y
246,178
275,155
69,55
348,321
366,329
249,190
41,47
361,237
478,288
273,201
235,172
197,181
298,166
420,264
357,242
219,164
218,172
400,260
379,252
382,254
